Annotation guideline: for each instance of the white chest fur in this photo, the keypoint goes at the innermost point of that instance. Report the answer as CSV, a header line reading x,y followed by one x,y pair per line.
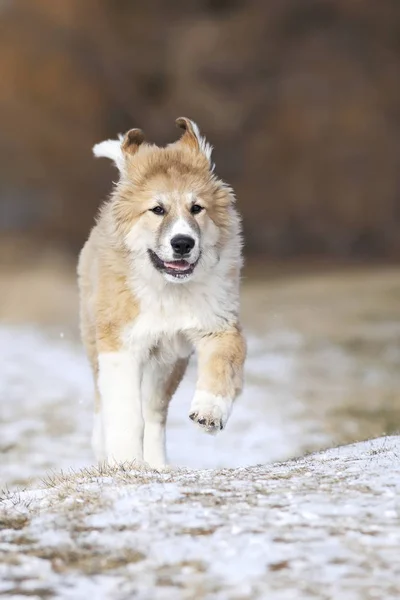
x,y
178,314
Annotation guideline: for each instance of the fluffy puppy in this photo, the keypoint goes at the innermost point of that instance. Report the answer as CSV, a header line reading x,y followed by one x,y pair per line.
x,y
159,278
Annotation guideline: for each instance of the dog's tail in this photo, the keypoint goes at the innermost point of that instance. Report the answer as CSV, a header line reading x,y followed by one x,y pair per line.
x,y
110,149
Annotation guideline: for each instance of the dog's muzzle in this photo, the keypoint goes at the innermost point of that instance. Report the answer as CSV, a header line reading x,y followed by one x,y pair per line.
x,y
179,268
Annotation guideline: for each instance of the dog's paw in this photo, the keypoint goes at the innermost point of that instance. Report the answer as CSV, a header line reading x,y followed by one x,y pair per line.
x,y
210,412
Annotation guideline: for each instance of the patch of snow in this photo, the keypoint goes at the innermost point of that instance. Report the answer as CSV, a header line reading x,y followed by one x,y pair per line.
x,y
323,526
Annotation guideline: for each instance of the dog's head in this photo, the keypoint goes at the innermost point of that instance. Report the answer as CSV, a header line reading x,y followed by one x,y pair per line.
x,y
168,207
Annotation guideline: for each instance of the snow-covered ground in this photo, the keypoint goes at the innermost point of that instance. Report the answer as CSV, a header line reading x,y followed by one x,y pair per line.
x,y
324,526
323,369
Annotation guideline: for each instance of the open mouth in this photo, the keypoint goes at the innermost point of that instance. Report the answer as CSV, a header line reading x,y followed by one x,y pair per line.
x,y
177,268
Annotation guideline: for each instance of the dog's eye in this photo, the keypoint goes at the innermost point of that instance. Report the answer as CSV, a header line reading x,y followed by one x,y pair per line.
x,y
158,210
196,209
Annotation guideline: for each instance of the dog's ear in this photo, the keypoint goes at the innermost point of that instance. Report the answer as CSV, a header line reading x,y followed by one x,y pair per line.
x,y
132,140
116,149
193,138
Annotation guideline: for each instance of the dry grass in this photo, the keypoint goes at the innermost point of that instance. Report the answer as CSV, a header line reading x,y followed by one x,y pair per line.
x,y
241,533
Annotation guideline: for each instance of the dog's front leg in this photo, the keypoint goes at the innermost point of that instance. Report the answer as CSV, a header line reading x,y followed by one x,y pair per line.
x,y
121,409
220,378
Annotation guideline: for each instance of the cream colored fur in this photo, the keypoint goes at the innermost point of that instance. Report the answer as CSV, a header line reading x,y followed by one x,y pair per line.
x,y
140,318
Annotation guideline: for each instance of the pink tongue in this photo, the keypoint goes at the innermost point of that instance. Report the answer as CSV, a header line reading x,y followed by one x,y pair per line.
x,y
177,265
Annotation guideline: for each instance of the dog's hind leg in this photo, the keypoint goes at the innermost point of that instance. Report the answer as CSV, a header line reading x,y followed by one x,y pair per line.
x,y
159,383
89,341
98,445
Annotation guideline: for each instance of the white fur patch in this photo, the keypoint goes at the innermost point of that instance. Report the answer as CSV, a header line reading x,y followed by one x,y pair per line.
x,y
207,303
182,227
98,445
111,149
204,146
119,386
155,409
154,444
209,411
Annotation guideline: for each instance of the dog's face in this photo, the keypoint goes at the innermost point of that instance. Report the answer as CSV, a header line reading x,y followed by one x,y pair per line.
x,y
171,211
177,232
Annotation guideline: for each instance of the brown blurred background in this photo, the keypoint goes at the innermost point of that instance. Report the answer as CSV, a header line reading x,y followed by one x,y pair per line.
x,y
301,99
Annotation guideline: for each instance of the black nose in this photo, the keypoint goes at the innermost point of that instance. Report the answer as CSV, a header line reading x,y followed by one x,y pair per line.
x,y
182,244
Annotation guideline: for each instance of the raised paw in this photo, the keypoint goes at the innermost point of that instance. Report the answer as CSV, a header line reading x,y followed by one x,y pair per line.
x,y
211,422
210,412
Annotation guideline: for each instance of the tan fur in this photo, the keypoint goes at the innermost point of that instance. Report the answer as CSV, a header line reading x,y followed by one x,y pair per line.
x,y
106,303
106,300
109,303
171,168
221,357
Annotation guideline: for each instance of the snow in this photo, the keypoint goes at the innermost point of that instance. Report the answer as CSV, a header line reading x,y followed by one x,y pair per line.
x,y
236,516
326,525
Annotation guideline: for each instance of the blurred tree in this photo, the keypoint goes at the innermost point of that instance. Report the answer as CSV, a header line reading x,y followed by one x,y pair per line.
x,y
301,99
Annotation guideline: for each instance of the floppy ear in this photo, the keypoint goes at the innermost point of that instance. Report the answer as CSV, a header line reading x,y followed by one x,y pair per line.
x,y
132,141
193,138
116,149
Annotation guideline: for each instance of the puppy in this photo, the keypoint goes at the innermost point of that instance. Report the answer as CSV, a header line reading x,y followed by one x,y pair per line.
x,y
159,278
